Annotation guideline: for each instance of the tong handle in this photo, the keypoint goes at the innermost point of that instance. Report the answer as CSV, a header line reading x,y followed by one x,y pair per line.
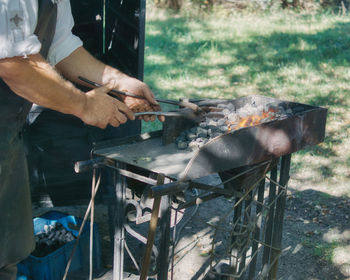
x,y
183,103
157,113
115,91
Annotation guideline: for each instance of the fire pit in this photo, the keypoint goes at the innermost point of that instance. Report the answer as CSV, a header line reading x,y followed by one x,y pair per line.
x,y
302,125
241,140
225,118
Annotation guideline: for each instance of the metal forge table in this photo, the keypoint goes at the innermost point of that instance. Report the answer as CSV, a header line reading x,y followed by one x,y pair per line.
x,y
242,158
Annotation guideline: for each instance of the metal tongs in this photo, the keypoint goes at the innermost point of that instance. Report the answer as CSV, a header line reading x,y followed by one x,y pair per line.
x,y
194,112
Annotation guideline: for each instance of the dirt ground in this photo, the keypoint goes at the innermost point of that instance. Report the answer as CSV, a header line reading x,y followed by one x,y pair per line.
x,y
316,236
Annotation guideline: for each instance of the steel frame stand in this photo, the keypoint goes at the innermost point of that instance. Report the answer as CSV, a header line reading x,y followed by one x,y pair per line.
x,y
257,225
119,232
264,238
161,208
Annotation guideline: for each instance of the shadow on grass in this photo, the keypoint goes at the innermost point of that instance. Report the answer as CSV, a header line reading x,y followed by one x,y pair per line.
x,y
315,228
262,54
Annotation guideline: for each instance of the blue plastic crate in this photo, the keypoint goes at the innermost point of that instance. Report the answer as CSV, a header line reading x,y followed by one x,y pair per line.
x,y
52,266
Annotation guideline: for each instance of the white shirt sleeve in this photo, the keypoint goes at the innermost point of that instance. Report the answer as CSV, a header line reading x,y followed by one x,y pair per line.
x,y
64,42
17,24
18,19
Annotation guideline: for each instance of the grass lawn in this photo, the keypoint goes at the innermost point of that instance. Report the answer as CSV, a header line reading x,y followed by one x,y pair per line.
x,y
296,57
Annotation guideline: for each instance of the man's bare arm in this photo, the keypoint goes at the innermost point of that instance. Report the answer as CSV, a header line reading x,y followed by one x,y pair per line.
x,y
35,80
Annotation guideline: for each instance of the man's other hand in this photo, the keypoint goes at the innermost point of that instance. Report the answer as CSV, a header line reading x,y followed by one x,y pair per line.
x,y
149,104
100,109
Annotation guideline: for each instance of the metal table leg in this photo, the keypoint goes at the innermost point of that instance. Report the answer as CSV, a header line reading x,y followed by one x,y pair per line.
x,y
259,209
269,224
163,258
151,232
278,221
119,234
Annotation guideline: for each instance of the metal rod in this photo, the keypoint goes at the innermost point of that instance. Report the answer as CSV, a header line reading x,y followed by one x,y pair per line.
x,y
280,206
199,200
237,228
223,191
269,220
119,234
104,28
92,214
173,246
159,113
79,234
247,213
133,175
115,91
183,103
141,39
259,207
151,232
169,189
163,257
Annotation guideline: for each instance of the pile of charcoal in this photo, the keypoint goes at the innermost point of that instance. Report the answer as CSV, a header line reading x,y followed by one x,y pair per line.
x,y
51,238
228,118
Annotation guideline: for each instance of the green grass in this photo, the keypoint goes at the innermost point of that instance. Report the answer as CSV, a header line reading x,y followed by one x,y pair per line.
x,y
295,57
325,251
322,250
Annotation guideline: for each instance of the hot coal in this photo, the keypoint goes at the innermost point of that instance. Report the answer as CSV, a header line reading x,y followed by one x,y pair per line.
x,y
226,119
51,238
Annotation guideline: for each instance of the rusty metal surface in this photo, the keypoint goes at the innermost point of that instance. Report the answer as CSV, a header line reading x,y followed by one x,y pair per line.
x,y
242,147
150,155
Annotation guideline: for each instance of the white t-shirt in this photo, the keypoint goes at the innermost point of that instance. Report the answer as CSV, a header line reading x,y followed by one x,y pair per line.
x,y
18,20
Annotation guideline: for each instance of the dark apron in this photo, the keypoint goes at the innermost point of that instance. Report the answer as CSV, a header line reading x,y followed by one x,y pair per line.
x,y
16,225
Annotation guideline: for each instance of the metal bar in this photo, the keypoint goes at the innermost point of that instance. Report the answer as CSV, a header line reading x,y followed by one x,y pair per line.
x,y
169,189
214,189
163,258
280,206
115,91
122,41
259,207
151,232
237,228
104,28
132,175
141,39
246,218
269,221
87,165
92,215
79,234
119,235
199,200
122,17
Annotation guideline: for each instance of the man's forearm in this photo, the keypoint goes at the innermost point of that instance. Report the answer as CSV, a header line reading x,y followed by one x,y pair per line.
x,y
82,63
35,80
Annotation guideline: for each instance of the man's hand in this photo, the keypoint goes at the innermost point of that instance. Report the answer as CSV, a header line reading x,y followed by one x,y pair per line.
x,y
81,63
149,104
100,109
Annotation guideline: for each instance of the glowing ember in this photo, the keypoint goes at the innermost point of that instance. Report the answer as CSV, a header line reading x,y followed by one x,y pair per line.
x,y
252,120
